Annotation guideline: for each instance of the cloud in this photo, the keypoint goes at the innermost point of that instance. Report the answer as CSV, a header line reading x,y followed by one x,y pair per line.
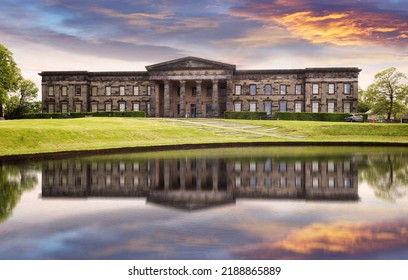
x,y
336,240
345,24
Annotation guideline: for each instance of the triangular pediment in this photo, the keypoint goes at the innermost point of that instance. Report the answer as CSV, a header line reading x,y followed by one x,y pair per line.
x,y
190,63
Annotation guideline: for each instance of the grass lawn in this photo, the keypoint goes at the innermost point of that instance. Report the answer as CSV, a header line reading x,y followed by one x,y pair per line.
x,y
53,135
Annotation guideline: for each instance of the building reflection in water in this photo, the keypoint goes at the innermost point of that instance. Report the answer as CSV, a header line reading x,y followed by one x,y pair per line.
x,y
196,183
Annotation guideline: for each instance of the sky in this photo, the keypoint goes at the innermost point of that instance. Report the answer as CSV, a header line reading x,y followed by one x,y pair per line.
x,y
111,35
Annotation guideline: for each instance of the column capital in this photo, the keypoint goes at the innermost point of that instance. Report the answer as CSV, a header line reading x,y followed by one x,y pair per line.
x,y
198,82
214,81
182,82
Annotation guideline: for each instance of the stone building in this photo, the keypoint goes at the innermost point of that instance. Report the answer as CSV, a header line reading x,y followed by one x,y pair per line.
x,y
198,183
196,87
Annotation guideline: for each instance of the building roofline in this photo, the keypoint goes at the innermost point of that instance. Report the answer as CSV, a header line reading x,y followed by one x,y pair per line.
x,y
87,73
298,71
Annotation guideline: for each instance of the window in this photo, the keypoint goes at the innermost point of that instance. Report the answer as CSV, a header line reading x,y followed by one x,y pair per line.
x,y
298,166
268,89
347,88
346,166
330,166
268,182
315,182
268,107
64,107
77,90
268,165
78,107
315,88
94,106
298,107
193,91
238,181
282,166
282,89
136,90
252,89
147,108
121,90
209,91
108,90
315,107
298,182
237,166
238,89
346,107
108,107
252,181
136,107
237,107
64,90
331,182
252,106
347,182
282,106
298,89
315,166
94,91
331,88
51,108
51,91
149,90
122,106
283,182
252,166
330,107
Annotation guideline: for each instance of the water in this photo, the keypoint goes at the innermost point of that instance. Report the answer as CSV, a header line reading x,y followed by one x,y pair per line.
x,y
247,203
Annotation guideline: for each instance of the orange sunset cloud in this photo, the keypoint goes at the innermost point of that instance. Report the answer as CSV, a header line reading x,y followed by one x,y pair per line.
x,y
341,239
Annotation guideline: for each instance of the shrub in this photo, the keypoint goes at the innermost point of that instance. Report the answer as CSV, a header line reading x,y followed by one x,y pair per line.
x,y
245,115
132,114
325,117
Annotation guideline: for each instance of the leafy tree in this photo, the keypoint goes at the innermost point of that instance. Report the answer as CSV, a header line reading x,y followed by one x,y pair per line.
x,y
13,182
387,175
363,104
21,101
10,75
388,94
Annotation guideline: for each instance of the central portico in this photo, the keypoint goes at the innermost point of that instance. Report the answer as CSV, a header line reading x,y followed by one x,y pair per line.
x,y
191,87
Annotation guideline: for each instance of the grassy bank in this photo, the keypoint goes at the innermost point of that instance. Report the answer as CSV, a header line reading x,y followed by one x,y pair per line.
x,y
51,135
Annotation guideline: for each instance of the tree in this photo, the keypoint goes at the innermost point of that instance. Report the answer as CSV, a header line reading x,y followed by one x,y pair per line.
x,y
21,102
388,94
10,75
363,105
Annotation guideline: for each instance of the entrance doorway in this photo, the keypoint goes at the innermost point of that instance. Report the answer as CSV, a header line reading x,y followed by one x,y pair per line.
x,y
193,111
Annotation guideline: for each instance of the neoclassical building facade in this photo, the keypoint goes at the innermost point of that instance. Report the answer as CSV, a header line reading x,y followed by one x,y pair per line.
x,y
196,87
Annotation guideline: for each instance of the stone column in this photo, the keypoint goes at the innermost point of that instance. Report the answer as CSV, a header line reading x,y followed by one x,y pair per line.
x,y
215,99
230,104
182,98
215,172
152,112
199,174
199,100
166,175
166,99
182,175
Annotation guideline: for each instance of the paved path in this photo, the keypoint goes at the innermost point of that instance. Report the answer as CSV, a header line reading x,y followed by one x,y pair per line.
x,y
222,127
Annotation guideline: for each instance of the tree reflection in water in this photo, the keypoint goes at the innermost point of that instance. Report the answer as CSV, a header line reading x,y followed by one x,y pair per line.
x,y
14,180
387,175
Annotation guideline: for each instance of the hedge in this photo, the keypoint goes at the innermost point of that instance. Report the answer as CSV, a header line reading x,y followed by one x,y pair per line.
x,y
132,114
245,115
328,117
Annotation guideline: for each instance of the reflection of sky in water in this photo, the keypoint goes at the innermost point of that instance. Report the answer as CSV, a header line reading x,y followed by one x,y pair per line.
x,y
130,228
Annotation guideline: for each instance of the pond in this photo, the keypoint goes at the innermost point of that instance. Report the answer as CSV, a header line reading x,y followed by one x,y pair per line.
x,y
237,203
